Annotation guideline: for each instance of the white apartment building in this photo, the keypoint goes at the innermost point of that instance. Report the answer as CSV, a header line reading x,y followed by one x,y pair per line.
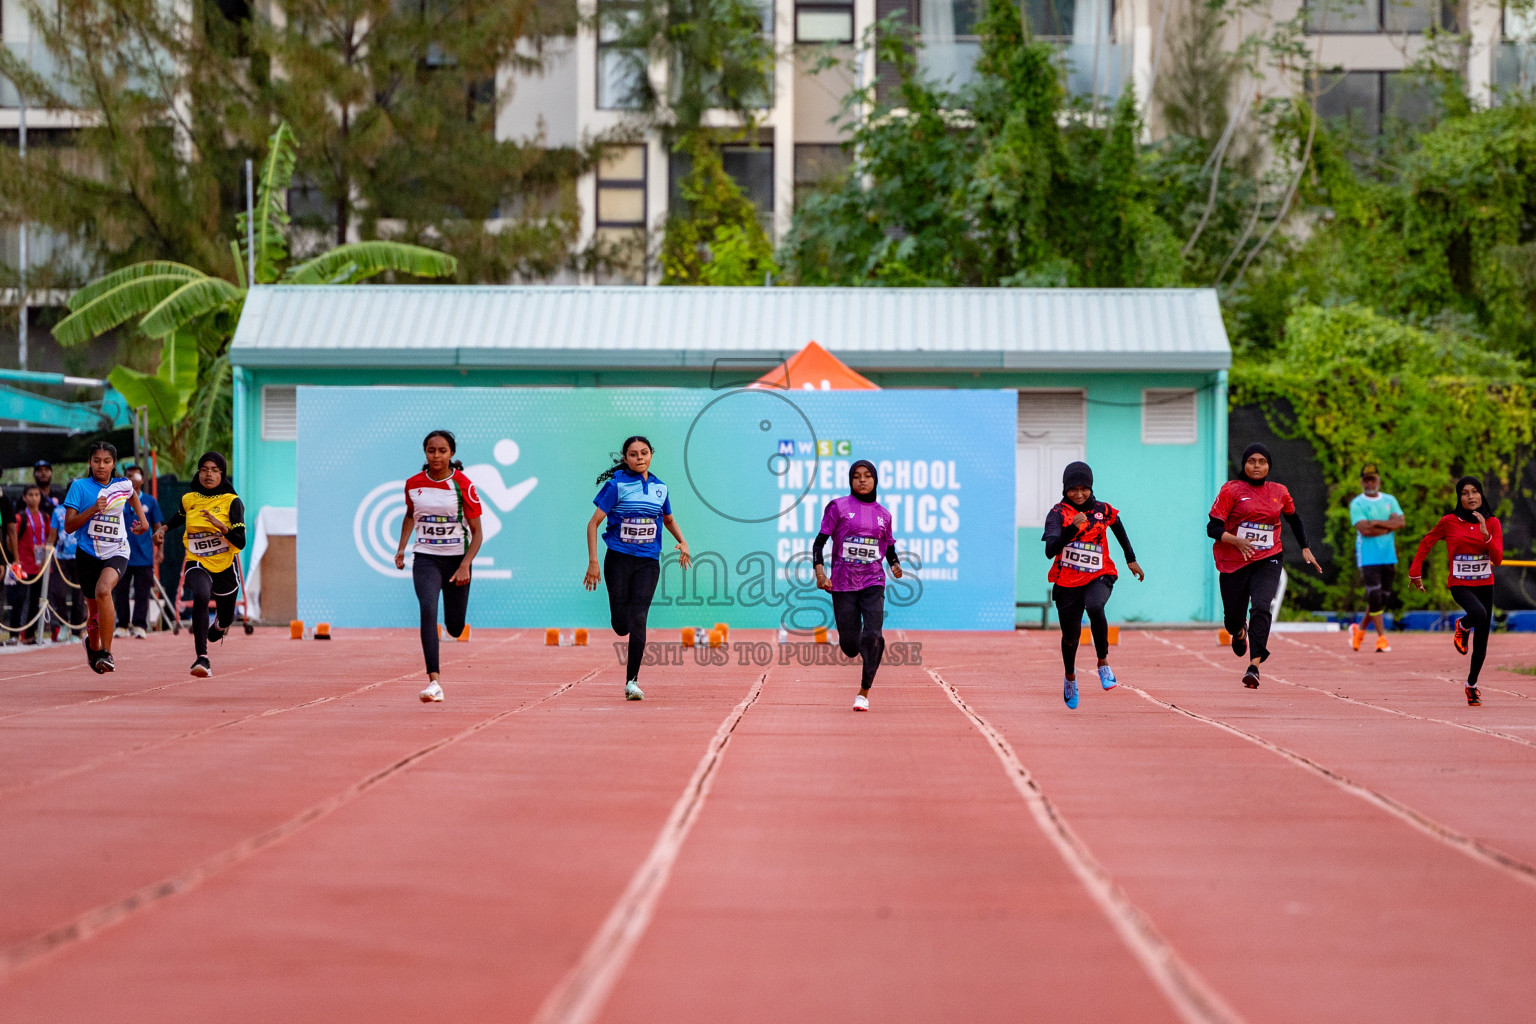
x,y
1366,44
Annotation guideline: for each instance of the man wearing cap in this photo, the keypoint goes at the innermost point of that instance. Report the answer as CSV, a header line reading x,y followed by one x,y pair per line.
x,y
42,475
1376,517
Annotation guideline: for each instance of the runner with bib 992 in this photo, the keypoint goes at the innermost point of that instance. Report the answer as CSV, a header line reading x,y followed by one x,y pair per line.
x,y
94,508
1475,544
1245,525
442,510
1082,573
635,504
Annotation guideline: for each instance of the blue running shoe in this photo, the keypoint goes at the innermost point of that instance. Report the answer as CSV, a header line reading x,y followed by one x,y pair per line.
x,y
1107,677
1069,692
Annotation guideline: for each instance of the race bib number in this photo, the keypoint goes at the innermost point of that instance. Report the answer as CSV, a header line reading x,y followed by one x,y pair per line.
x,y
1083,557
1260,535
205,545
106,530
637,531
860,550
439,531
1471,567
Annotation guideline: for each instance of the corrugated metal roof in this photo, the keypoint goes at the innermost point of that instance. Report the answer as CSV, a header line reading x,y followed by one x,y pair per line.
x,y
620,327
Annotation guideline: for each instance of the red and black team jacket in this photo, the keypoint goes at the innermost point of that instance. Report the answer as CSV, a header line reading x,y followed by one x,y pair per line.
x,y
1472,558
1082,556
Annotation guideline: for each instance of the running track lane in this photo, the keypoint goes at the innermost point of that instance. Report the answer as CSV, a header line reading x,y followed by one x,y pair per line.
x,y
875,868
461,887
1294,899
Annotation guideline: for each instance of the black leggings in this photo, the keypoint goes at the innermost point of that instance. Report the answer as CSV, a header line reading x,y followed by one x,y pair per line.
x,y
138,577
860,614
632,583
1477,602
1071,602
1256,582
221,586
431,575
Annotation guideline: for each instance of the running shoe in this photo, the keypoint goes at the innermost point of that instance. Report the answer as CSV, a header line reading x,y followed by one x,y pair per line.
x,y
1382,647
633,691
104,662
1356,635
91,654
1240,643
1459,636
1251,677
139,632
1069,692
120,631
216,632
432,694
861,703
1473,697
202,668
1107,677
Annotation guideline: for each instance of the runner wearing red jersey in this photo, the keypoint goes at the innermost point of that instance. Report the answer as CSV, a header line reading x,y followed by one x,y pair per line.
x,y
442,509
1245,525
1475,544
1076,539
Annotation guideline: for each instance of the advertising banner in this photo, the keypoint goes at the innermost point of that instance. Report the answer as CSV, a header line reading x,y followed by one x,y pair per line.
x,y
749,473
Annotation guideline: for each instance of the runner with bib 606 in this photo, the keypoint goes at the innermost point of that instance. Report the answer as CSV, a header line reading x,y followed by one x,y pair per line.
x,y
95,507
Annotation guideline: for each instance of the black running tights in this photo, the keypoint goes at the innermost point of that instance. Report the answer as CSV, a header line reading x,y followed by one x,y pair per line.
x,y
632,583
1071,602
860,616
1255,583
431,575
201,586
1477,602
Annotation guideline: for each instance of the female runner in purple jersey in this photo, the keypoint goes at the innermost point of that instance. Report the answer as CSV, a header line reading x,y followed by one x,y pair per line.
x,y
860,530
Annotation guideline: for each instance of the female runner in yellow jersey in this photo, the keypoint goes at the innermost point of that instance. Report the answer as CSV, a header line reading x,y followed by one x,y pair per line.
x,y
215,520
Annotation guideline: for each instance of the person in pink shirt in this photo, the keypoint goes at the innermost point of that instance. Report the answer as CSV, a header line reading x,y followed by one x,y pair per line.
x,y
859,528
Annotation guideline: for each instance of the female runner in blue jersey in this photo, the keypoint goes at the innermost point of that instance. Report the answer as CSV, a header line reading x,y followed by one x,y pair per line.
x,y
634,503
94,508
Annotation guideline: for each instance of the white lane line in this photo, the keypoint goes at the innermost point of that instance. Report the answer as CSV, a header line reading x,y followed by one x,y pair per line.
x,y
1191,997
97,919
1460,841
580,995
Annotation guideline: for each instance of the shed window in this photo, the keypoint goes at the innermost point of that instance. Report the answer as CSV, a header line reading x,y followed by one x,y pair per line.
x,y
279,413
1168,416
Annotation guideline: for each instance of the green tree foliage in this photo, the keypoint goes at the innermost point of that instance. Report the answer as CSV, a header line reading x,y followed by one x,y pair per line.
x,y
713,236
1000,183
1425,405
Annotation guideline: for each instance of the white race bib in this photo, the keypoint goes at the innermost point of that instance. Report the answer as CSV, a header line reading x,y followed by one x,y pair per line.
x,y
206,545
637,531
1471,567
439,531
1260,535
1083,557
860,550
106,529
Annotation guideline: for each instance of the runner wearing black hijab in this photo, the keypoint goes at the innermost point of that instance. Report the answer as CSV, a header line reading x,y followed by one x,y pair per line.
x,y
862,534
1082,573
1475,544
214,518
1245,524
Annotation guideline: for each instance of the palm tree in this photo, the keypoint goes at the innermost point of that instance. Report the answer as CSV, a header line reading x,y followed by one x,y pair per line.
x,y
194,313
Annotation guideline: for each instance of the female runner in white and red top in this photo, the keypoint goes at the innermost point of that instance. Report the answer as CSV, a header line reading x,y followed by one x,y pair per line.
x,y
442,509
1475,544
1245,525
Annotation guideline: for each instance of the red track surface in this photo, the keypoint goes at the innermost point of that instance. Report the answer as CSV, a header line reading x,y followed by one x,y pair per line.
x,y
299,839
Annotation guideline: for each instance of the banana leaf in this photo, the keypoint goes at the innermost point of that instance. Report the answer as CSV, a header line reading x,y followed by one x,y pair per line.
x,y
149,268
187,303
357,261
130,298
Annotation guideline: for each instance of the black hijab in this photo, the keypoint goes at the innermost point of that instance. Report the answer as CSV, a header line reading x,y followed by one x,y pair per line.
x,y
1462,513
1255,449
874,473
226,486
1077,474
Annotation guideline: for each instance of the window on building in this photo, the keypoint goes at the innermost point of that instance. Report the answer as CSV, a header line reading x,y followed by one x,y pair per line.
x,y
308,205
1372,100
1169,416
621,188
279,413
1373,16
750,167
819,165
620,69
824,22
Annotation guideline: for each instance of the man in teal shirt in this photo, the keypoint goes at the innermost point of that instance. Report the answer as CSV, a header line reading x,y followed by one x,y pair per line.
x,y
1376,517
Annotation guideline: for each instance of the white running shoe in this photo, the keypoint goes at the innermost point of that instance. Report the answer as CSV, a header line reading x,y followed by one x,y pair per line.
x,y
861,703
433,693
633,691
139,632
